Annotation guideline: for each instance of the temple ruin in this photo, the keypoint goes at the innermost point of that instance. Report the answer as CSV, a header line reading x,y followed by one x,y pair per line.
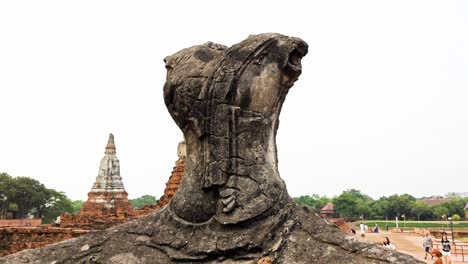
x,y
107,206
232,207
108,195
107,203
173,183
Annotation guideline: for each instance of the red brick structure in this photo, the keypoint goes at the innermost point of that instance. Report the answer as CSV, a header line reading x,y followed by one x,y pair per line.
x,y
108,196
20,222
107,205
14,239
176,176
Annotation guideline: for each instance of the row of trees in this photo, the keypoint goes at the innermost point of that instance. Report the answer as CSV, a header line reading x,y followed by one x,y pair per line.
x,y
143,201
352,205
28,197
137,203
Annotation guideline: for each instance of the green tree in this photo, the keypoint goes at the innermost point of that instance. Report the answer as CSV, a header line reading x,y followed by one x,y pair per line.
x,y
456,217
380,208
57,204
306,200
30,196
455,206
315,202
420,208
76,206
439,211
6,194
143,200
352,204
358,195
345,205
400,204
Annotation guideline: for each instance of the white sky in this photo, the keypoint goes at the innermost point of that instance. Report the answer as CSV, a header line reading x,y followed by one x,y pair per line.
x,y
381,106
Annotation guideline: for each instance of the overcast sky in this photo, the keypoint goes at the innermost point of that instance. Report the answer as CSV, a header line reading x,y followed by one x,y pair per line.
x,y
381,106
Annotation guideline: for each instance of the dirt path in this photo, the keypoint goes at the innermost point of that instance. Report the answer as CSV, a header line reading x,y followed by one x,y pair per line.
x,y
409,243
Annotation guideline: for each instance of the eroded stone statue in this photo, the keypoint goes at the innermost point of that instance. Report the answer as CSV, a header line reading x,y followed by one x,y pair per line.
x,y
227,103
232,206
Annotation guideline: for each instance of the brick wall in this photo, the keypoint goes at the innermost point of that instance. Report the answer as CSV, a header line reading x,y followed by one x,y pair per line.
x,y
20,222
14,239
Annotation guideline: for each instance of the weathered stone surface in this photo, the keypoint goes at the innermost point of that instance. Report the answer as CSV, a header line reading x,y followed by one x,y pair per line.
x,y
308,238
232,206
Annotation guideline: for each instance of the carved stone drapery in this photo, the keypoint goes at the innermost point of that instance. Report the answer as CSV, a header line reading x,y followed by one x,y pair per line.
x,y
227,102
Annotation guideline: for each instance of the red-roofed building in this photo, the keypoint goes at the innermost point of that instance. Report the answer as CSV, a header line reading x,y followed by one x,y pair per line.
x,y
328,211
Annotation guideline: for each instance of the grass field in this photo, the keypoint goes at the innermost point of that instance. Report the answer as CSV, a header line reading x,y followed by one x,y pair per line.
x,y
410,224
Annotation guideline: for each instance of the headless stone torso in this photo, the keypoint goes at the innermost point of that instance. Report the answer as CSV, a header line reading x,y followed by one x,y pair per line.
x,y
202,224
227,103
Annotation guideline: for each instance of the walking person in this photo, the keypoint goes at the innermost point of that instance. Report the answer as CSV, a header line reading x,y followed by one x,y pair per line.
x,y
427,245
446,248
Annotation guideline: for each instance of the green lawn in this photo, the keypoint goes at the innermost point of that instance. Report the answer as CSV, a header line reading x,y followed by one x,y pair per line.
x,y
420,224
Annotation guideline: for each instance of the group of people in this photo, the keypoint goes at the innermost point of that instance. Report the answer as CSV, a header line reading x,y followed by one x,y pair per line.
x,y
363,228
440,257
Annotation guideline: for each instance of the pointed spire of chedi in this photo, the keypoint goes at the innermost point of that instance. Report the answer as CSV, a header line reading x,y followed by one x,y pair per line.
x,y
110,148
108,195
108,179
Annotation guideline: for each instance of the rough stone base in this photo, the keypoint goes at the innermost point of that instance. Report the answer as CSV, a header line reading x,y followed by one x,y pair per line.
x,y
310,239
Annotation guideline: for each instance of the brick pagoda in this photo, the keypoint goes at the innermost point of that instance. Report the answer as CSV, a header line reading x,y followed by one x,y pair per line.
x,y
176,176
108,195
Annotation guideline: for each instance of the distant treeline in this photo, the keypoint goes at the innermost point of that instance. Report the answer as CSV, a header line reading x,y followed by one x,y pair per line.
x,y
25,197
354,205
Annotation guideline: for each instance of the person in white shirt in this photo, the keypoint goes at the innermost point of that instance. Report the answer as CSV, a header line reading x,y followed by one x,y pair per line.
x,y
428,245
362,229
388,244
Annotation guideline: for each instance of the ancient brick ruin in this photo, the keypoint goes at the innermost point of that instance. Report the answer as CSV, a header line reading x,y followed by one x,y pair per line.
x,y
232,205
108,195
107,203
176,176
107,206
14,239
